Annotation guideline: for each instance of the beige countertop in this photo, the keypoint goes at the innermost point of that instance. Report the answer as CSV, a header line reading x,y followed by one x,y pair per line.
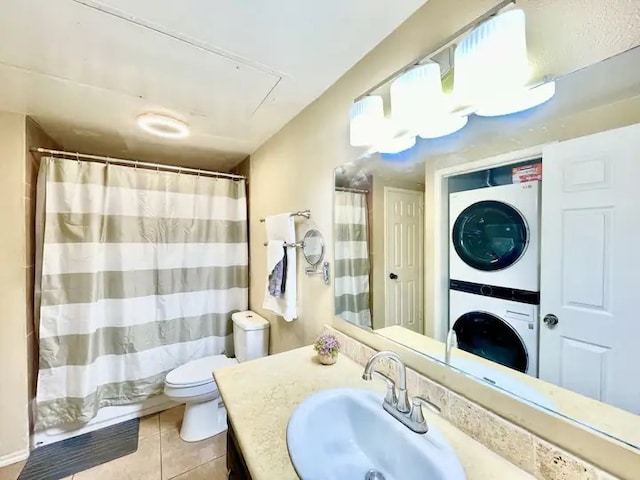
x,y
261,395
606,418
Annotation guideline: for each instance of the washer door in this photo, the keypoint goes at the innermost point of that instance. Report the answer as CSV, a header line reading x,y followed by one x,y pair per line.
x,y
488,336
490,235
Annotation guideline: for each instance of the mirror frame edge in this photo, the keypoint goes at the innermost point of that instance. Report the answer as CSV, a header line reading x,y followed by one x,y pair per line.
x,y
604,452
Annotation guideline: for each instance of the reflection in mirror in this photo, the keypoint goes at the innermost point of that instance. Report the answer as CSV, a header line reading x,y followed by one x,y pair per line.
x,y
379,245
531,229
313,247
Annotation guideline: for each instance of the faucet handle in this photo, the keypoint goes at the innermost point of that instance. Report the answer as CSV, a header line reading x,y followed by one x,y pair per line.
x,y
416,409
390,398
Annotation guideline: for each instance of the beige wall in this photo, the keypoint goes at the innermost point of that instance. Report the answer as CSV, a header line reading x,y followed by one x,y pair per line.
x,y
378,233
14,423
294,169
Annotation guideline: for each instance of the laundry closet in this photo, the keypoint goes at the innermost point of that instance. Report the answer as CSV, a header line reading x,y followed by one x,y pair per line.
x,y
537,274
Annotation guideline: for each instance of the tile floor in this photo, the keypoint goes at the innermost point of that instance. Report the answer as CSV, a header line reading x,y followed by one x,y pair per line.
x,y
161,455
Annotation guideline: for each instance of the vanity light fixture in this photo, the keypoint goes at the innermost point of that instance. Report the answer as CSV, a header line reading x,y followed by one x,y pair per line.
x,y
162,126
367,121
419,104
492,71
492,59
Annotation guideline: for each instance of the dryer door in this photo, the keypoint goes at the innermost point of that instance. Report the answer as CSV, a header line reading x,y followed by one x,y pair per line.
x,y
488,336
490,235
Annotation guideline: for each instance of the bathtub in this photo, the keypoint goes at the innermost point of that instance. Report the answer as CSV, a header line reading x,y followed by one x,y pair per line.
x,y
106,416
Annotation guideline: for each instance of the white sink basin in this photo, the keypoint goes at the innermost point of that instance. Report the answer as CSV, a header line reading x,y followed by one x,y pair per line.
x,y
344,434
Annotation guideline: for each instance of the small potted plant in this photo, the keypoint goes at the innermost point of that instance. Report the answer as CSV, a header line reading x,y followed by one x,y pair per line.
x,y
328,348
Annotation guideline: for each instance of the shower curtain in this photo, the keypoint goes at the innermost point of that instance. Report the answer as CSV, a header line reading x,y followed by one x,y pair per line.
x,y
352,258
137,272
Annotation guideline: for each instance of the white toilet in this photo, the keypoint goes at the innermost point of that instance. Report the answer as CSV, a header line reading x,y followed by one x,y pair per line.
x,y
193,383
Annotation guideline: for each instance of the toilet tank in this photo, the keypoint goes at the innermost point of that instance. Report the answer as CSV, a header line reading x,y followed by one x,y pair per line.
x,y
250,336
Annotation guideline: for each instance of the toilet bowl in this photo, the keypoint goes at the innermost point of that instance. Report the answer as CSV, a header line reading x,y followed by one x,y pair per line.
x,y
194,385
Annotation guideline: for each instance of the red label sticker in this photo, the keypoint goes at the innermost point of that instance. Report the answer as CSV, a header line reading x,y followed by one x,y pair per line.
x,y
527,173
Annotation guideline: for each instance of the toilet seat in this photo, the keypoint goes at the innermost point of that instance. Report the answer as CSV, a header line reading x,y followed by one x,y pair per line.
x,y
198,373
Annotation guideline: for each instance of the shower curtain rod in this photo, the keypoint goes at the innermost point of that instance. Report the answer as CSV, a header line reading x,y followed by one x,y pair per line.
x,y
135,163
351,190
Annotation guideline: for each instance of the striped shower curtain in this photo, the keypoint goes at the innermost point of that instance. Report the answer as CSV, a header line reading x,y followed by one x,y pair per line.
x,y
352,258
138,271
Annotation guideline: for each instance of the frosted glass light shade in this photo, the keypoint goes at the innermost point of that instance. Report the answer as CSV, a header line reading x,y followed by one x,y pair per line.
x,y
419,105
416,97
366,121
492,60
522,100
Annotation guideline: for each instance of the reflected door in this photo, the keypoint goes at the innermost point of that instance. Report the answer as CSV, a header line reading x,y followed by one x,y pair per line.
x,y
590,266
404,251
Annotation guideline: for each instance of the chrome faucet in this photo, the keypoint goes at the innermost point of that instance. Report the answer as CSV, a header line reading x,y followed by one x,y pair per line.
x,y
402,400
451,343
409,413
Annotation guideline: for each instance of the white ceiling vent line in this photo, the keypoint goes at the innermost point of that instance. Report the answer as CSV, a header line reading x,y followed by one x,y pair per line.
x,y
161,30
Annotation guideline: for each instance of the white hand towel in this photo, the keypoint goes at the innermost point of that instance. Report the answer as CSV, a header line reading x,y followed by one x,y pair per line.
x,y
282,228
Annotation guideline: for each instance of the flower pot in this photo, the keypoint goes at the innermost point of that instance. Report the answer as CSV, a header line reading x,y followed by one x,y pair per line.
x,y
327,359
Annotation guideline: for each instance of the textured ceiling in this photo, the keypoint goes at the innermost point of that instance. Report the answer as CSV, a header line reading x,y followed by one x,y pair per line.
x,y
236,71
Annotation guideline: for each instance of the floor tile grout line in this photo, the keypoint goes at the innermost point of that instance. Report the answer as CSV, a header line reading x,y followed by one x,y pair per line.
x,y
196,467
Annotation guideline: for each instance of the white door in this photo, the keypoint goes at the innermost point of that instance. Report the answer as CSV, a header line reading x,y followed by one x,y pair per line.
x,y
590,263
403,250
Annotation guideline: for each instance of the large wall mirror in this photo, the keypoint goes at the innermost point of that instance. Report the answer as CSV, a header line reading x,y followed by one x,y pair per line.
x,y
508,249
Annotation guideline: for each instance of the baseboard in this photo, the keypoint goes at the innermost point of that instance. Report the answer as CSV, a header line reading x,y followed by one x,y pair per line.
x,y
14,457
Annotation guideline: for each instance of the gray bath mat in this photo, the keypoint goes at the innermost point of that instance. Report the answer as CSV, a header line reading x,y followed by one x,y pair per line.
x,y
63,459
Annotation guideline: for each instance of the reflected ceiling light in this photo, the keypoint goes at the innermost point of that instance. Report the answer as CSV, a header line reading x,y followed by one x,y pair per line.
x,y
524,100
419,105
162,126
396,144
492,61
444,126
366,120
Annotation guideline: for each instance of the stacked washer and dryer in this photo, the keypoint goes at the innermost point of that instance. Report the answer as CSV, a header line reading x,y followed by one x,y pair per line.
x,y
494,287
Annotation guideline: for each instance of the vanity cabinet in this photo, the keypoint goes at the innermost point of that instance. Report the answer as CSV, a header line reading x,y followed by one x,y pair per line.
x,y
235,461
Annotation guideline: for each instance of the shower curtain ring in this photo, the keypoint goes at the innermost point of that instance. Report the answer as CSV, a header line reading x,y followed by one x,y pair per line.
x,y
78,158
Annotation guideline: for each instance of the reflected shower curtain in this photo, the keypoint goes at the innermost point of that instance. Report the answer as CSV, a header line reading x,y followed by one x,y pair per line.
x,y
352,258
138,271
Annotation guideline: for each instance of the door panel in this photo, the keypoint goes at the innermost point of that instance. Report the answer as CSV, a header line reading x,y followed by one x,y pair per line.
x,y
578,356
586,235
404,258
589,264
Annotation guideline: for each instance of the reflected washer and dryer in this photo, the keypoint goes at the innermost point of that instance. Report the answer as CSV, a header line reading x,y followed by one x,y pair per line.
x,y
495,236
498,324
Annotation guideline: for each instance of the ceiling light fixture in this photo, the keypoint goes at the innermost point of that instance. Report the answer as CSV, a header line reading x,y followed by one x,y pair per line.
x,y
366,121
419,105
162,126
